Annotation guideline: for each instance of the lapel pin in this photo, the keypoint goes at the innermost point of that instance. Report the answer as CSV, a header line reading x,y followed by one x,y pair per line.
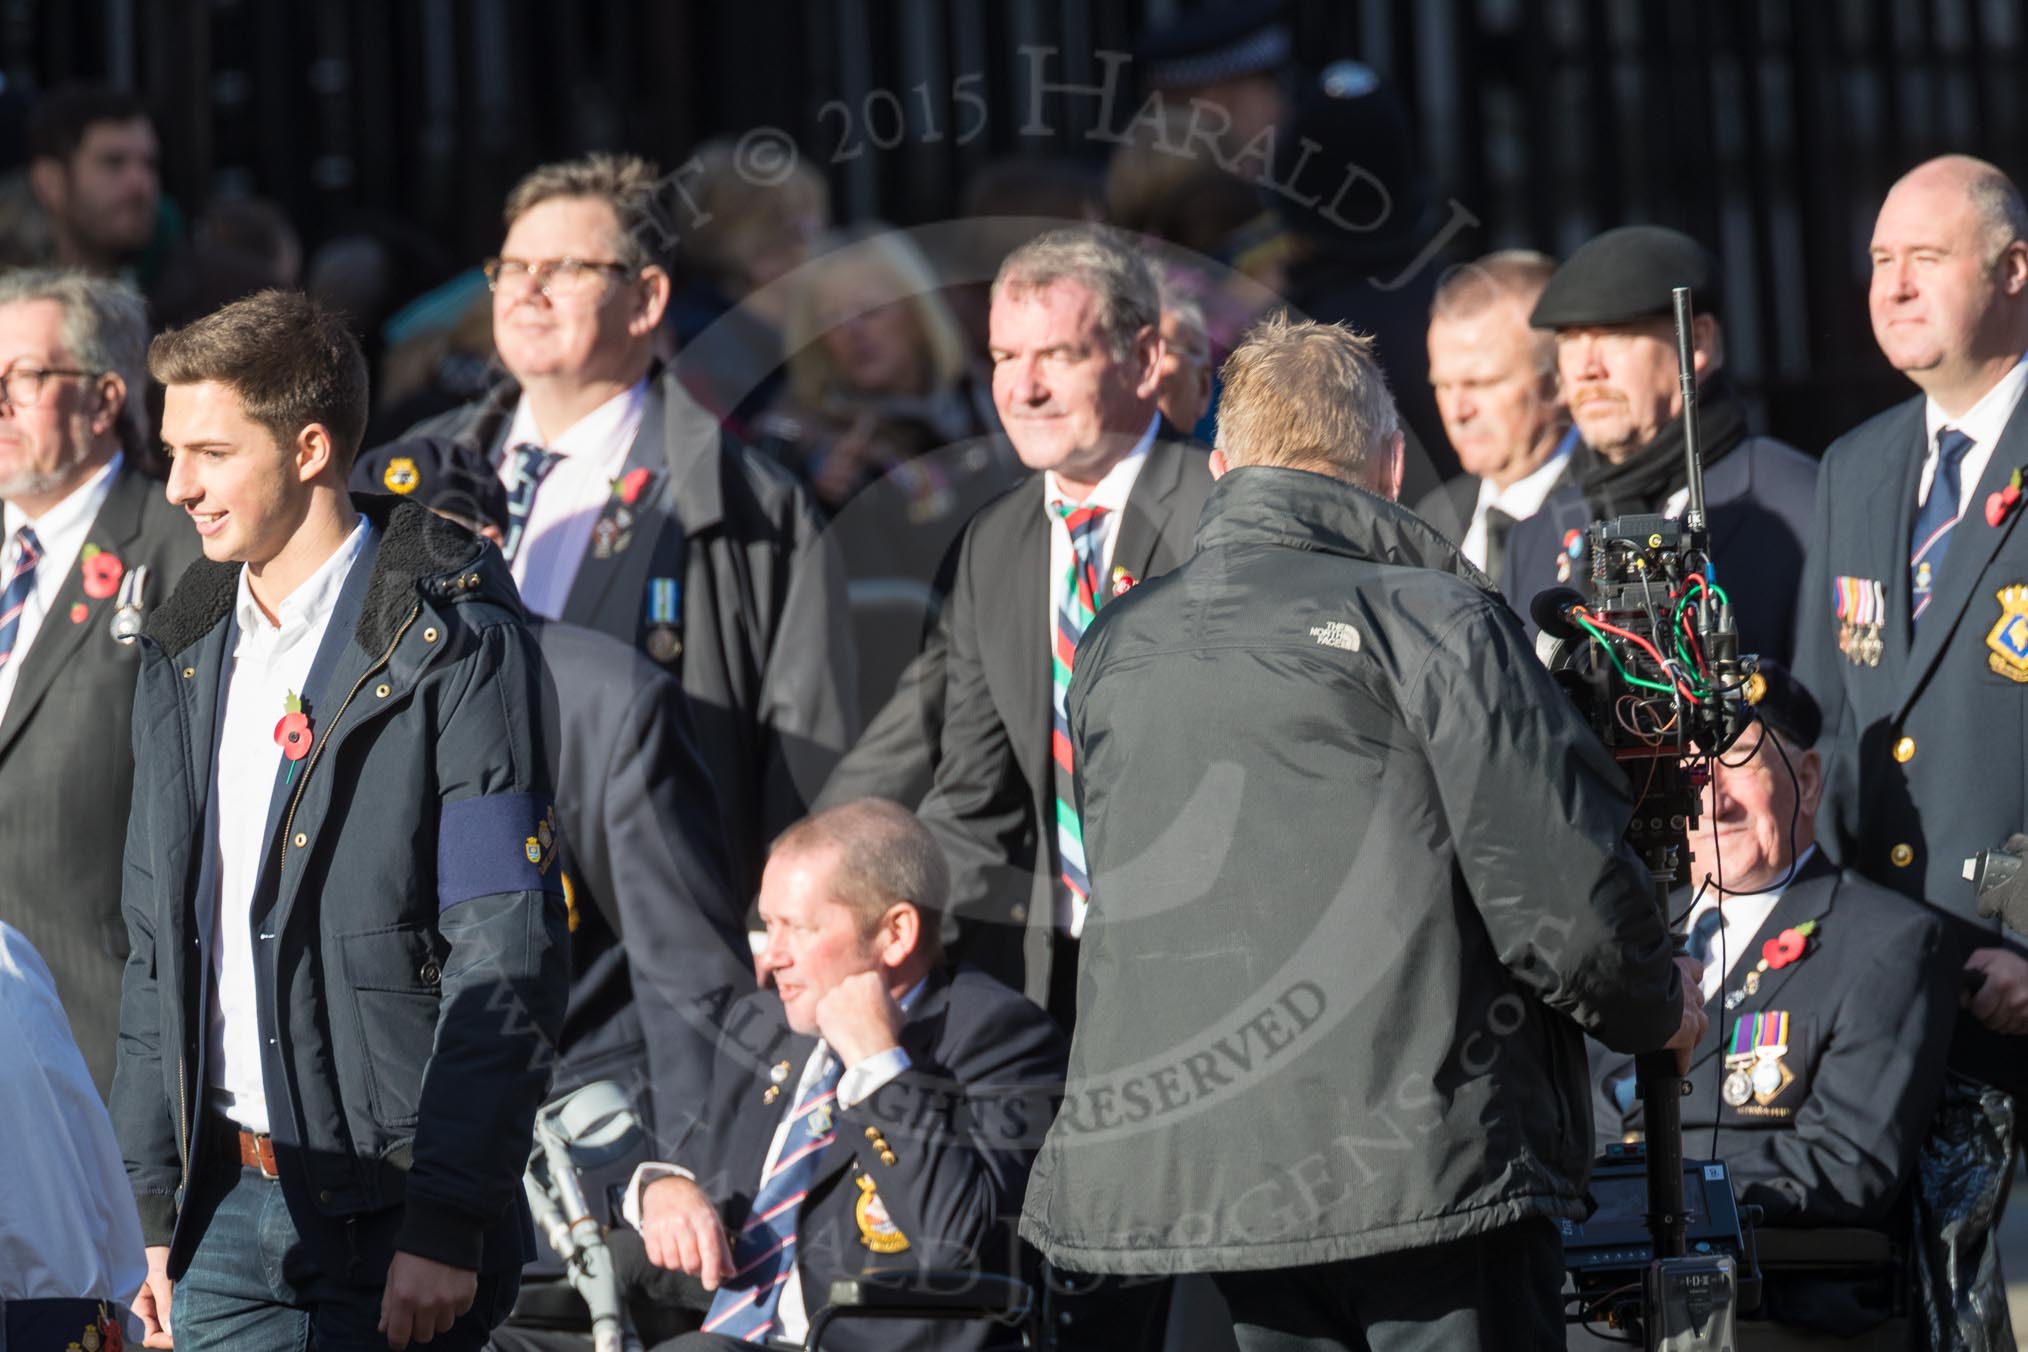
x,y
102,571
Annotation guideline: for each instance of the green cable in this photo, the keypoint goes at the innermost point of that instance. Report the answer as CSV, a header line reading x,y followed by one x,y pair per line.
x,y
1614,657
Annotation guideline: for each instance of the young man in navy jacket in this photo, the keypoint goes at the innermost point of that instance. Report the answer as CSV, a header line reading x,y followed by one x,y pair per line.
x,y
349,946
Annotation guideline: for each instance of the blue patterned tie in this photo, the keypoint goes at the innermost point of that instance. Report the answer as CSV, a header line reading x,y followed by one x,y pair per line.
x,y
20,586
764,1253
531,464
1932,534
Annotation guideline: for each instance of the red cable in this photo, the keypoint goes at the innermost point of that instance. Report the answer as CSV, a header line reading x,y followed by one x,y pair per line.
x,y
1646,647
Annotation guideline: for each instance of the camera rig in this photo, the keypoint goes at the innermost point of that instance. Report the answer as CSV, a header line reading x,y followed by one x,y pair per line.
x,y
1651,658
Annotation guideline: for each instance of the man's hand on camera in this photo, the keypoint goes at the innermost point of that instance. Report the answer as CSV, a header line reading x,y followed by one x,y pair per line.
x,y
1690,1031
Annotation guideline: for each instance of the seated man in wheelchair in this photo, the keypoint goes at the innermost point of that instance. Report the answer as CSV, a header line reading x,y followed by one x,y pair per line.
x,y
872,1109
1831,1003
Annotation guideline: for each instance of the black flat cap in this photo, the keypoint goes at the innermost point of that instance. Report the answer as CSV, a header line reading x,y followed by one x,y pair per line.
x,y
441,474
1627,274
1784,704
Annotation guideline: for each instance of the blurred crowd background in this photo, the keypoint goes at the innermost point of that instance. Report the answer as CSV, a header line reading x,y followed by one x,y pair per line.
x,y
362,148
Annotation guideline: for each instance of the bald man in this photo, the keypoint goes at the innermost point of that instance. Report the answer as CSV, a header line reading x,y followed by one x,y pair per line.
x,y
1913,620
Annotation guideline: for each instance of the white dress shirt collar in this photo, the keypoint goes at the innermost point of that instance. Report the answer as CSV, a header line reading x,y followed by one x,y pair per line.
x,y
304,610
1523,498
1983,422
1744,914
1111,492
597,433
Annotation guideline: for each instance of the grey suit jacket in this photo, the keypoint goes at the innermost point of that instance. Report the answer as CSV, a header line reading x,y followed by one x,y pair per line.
x,y
67,768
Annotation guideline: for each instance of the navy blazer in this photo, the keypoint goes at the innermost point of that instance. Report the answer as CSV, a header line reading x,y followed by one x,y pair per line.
x,y
961,1128
1870,1007
1758,500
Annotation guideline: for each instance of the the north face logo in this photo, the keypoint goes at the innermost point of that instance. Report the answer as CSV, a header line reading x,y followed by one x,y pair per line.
x,y
1337,634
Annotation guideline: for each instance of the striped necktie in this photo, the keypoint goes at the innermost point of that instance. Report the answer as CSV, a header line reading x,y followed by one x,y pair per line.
x,y
1080,594
20,586
531,464
764,1252
1932,533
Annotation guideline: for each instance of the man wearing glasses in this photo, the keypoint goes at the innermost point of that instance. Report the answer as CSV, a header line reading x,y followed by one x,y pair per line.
x,y
630,511
86,541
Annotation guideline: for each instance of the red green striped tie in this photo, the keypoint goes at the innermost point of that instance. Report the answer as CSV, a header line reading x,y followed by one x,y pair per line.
x,y
1080,603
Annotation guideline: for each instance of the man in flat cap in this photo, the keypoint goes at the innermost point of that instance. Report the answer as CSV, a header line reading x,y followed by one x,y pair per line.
x,y
1610,307
1830,1001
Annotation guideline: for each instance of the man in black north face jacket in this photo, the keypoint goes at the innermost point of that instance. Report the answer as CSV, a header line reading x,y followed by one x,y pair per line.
x,y
1358,887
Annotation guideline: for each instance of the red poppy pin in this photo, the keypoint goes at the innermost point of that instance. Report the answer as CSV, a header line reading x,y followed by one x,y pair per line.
x,y
292,734
630,485
1787,946
102,571
80,612
2001,504
1123,582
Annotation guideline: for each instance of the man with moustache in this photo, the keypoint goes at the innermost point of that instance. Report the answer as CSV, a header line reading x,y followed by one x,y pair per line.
x,y
1914,612
1496,391
1610,306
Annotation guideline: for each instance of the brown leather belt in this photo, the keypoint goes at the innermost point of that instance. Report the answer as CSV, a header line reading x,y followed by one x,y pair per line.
x,y
250,1150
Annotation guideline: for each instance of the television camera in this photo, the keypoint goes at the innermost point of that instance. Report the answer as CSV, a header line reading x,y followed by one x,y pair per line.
x,y
1651,658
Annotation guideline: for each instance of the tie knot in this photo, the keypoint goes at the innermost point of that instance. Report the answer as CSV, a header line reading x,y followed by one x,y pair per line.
x,y
1080,520
1951,446
1704,932
531,461
30,547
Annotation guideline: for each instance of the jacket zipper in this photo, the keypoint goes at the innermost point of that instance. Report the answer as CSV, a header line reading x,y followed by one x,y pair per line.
x,y
317,751
183,1117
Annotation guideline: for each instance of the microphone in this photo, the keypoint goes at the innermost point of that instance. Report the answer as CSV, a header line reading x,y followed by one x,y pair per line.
x,y
1551,612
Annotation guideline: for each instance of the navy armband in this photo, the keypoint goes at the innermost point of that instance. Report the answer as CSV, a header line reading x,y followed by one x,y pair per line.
x,y
499,843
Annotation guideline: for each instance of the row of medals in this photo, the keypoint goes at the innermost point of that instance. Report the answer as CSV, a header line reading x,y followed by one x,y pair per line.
x,y
1860,643
1764,1078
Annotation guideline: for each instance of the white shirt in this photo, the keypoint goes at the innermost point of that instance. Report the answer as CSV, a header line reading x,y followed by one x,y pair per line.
x,y
571,496
1744,915
1111,493
1983,422
61,532
1520,499
68,1227
855,1086
269,663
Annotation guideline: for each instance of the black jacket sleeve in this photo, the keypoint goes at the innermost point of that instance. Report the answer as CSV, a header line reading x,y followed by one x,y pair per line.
x,y
505,982
1537,812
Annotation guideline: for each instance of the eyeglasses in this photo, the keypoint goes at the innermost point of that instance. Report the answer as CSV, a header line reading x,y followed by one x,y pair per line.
x,y
550,276
23,385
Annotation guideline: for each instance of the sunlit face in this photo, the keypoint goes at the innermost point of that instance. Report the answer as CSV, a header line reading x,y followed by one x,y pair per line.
x,y
813,942
1621,383
1933,284
1499,407
870,336
245,495
599,329
50,447
1749,807
1184,373
1068,403
113,187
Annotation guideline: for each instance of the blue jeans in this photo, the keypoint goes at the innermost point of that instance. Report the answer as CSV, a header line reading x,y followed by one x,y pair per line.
x,y
253,1284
